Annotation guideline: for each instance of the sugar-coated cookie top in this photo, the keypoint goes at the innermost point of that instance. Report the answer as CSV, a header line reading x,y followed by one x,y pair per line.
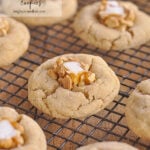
x,y
7,131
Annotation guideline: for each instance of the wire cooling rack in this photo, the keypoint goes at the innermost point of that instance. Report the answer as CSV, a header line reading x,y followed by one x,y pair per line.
x,y
131,66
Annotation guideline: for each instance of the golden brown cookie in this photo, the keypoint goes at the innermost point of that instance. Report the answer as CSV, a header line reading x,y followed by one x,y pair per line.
x,y
108,33
19,132
107,146
14,40
138,110
69,8
60,93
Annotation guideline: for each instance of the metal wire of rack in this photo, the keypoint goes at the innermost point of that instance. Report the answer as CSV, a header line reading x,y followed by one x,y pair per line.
x,y
131,66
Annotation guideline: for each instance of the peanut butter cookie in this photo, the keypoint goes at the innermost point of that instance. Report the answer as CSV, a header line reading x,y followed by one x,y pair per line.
x,y
108,146
19,132
112,25
138,110
69,8
73,86
14,40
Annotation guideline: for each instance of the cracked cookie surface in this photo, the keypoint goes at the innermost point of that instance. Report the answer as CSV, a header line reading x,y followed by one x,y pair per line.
x,y
69,8
88,28
108,146
34,138
14,43
48,96
138,110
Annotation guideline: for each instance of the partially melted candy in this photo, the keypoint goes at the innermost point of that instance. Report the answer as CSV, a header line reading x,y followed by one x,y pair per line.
x,y
115,15
73,67
113,7
7,131
70,73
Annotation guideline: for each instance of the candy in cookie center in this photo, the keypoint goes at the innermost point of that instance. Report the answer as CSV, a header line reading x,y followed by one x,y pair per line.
x,y
73,67
7,131
112,7
71,73
114,15
11,134
4,26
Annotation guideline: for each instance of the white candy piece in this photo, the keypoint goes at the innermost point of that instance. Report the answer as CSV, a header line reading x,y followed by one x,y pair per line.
x,y
113,7
73,67
113,3
7,131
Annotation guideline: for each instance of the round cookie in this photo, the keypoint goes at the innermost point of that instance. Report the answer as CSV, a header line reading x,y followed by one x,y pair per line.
x,y
31,136
107,146
14,42
138,110
47,95
88,27
69,8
